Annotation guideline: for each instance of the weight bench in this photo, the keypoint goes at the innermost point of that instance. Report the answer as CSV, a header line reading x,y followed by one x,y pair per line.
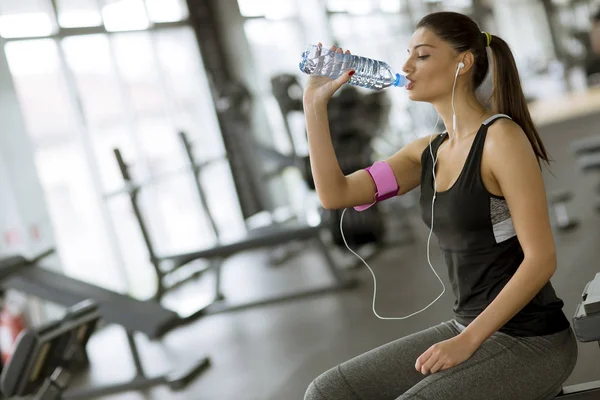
x,y
590,144
169,267
589,162
147,317
261,237
586,325
43,358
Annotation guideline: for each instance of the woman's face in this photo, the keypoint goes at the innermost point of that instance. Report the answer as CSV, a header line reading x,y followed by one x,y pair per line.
x,y
430,68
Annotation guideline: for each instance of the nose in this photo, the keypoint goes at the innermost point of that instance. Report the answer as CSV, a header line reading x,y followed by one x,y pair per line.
x,y
408,66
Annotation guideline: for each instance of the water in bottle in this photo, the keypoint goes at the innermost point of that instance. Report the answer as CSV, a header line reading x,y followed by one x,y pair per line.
x,y
369,73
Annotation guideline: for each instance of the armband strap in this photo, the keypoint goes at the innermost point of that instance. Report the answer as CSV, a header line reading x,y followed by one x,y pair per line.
x,y
385,183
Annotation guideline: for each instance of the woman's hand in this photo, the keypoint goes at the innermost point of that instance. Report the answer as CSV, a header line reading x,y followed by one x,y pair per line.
x,y
445,355
320,89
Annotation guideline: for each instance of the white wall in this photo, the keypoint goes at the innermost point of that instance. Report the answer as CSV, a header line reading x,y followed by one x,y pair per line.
x,y
25,225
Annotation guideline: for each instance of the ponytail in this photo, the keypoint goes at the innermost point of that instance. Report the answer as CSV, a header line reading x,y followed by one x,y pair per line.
x,y
508,97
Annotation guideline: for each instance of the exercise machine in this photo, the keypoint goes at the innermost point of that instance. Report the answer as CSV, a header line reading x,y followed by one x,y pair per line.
x,y
43,360
586,325
558,202
587,153
586,145
166,266
147,317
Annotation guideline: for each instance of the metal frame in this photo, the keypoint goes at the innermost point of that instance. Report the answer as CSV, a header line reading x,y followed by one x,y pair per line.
x,y
165,266
141,381
583,391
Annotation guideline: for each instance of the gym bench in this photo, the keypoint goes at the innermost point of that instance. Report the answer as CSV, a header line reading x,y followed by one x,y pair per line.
x,y
273,235
147,317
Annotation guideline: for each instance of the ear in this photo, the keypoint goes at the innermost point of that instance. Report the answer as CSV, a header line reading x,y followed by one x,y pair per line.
x,y
468,59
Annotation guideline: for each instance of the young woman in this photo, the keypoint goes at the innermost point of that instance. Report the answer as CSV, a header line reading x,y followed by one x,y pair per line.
x,y
509,339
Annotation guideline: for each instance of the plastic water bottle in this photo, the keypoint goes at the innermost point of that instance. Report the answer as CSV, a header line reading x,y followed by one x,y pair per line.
x,y
369,73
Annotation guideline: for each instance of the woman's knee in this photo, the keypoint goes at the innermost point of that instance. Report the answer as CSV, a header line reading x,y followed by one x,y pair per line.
x,y
330,385
312,393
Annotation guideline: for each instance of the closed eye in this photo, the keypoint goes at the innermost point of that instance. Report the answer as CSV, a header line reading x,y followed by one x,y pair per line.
x,y
423,57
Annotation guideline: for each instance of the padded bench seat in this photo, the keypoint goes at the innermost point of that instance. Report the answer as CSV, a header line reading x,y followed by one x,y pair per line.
x,y
268,236
148,317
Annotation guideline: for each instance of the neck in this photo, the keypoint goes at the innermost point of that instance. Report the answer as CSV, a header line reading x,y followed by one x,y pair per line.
x,y
469,113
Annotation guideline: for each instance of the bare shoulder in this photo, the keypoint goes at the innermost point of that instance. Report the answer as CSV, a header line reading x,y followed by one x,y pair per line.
x,y
505,134
418,146
505,138
506,142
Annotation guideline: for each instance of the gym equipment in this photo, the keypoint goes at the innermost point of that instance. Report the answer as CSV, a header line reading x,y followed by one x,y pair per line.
x,y
147,317
43,360
264,237
589,162
586,325
287,90
587,152
559,201
587,145
360,228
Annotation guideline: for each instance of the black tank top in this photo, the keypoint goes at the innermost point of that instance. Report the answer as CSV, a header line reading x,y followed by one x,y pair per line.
x,y
480,246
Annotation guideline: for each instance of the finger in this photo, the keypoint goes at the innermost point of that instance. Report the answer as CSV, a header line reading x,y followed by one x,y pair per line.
x,y
448,365
342,79
439,366
422,360
427,365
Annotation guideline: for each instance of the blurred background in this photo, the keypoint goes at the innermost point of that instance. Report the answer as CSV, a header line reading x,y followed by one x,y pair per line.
x,y
134,131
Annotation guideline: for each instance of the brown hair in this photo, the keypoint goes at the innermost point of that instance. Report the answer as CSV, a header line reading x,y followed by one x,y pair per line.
x,y
463,34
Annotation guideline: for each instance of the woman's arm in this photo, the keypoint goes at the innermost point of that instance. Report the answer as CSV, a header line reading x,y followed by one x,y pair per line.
x,y
335,190
513,164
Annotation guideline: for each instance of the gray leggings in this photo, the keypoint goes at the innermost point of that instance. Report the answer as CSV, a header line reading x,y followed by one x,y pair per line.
x,y
504,367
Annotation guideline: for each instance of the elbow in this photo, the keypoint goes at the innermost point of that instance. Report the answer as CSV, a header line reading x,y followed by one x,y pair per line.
x,y
328,204
334,198
545,261
551,260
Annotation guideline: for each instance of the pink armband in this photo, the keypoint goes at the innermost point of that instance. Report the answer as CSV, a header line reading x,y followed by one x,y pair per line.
x,y
385,183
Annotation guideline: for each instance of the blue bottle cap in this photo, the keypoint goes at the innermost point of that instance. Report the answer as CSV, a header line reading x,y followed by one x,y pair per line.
x,y
400,80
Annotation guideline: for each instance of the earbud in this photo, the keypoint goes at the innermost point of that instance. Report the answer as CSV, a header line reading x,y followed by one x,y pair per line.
x,y
460,65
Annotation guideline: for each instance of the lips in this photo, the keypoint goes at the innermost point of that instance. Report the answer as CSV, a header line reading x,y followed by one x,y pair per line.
x,y
410,85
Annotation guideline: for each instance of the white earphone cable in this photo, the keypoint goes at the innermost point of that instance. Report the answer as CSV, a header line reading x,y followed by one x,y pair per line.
x,y
434,159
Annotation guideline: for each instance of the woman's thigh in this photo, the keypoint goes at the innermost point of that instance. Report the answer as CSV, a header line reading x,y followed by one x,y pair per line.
x,y
505,367
383,373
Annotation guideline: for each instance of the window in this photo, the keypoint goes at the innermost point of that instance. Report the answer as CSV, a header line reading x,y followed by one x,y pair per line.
x,y
84,95
166,10
366,6
26,18
124,15
78,13
280,9
60,156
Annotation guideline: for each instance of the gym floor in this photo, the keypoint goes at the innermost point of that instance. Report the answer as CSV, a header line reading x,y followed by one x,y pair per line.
x,y
273,352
